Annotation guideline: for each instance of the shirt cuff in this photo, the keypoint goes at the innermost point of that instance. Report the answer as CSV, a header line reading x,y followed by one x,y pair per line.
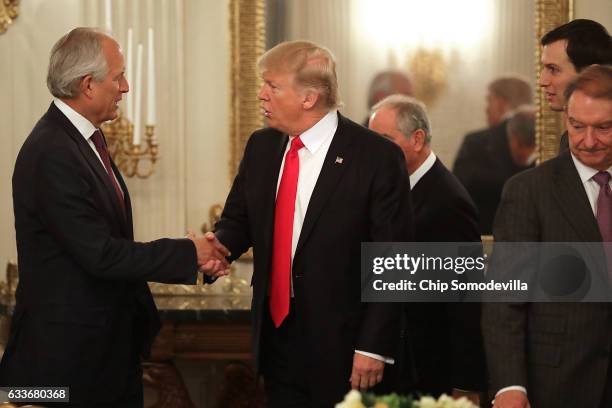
x,y
510,388
376,356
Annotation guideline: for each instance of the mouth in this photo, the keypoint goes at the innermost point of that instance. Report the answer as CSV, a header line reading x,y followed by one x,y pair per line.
x,y
265,112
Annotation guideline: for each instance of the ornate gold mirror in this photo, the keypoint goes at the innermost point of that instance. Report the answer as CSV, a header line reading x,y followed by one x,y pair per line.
x,y
9,10
247,29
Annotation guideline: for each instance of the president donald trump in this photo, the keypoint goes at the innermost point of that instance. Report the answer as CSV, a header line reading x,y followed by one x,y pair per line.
x,y
310,189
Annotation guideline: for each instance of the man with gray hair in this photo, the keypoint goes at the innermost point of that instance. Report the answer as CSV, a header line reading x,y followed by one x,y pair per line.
x,y
443,340
84,314
484,161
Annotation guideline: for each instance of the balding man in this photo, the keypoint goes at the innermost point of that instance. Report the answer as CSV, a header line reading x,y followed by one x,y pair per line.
x,y
559,354
385,83
443,340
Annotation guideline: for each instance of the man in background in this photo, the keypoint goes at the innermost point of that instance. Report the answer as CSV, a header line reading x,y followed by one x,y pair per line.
x,y
559,354
385,83
442,340
484,161
567,50
521,136
310,189
84,315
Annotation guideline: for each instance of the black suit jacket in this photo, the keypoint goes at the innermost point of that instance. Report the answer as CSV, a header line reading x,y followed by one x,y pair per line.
x,y
84,312
443,340
483,165
559,351
364,198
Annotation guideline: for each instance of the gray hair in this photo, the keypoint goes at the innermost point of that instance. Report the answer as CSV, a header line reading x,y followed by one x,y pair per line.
x,y
411,114
522,125
515,90
73,56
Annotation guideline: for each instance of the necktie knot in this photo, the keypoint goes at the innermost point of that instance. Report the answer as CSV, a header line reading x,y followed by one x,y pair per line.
x,y
296,144
98,140
602,178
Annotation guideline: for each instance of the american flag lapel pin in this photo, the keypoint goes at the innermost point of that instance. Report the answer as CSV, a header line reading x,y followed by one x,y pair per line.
x,y
339,160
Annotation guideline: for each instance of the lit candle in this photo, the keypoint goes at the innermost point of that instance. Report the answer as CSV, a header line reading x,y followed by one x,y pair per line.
x,y
150,81
108,22
138,85
129,114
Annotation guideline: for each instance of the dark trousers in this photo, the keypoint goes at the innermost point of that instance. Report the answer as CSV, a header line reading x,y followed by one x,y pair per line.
x,y
284,368
132,397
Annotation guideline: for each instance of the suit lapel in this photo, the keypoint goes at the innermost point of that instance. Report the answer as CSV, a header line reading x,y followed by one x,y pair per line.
x,y
330,175
271,174
422,188
129,228
569,193
93,162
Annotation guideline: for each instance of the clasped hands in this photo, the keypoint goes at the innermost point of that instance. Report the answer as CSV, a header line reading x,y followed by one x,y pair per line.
x,y
211,254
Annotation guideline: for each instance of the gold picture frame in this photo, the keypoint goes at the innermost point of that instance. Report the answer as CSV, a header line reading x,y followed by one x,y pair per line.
x,y
247,42
549,126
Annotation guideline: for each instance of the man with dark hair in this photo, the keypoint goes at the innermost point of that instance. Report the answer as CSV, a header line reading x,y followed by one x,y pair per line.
x,y
559,354
566,50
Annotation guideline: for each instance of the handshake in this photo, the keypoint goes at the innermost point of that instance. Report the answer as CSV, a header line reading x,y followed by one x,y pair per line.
x,y
211,254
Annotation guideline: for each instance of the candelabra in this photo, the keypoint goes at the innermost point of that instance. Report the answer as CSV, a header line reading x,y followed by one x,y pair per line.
x,y
132,159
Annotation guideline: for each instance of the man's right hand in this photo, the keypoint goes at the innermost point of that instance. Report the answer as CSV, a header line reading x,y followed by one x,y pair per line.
x,y
512,399
211,254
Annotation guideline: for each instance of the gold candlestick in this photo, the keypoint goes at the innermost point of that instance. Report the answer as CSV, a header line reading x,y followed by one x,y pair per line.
x,y
133,160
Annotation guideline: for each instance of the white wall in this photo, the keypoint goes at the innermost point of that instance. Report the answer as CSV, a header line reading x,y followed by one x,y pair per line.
x,y
24,97
598,10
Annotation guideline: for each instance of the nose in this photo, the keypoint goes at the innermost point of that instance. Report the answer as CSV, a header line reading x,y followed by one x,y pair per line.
x,y
262,94
124,86
544,78
589,141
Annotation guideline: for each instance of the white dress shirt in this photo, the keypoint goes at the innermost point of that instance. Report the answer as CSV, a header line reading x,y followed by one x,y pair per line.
x,y
591,189
422,170
590,186
85,128
316,141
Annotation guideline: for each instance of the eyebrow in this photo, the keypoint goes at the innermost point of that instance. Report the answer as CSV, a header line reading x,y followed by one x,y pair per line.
x,y
573,120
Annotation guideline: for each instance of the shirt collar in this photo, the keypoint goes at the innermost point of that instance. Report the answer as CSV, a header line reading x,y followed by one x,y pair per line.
x,y
585,172
325,128
84,126
423,169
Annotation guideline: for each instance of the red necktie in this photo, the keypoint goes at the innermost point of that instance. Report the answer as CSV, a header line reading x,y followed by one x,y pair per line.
x,y
283,234
98,141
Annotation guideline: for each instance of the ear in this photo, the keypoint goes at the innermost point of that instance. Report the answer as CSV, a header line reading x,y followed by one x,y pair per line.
x,y
310,100
86,86
418,140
